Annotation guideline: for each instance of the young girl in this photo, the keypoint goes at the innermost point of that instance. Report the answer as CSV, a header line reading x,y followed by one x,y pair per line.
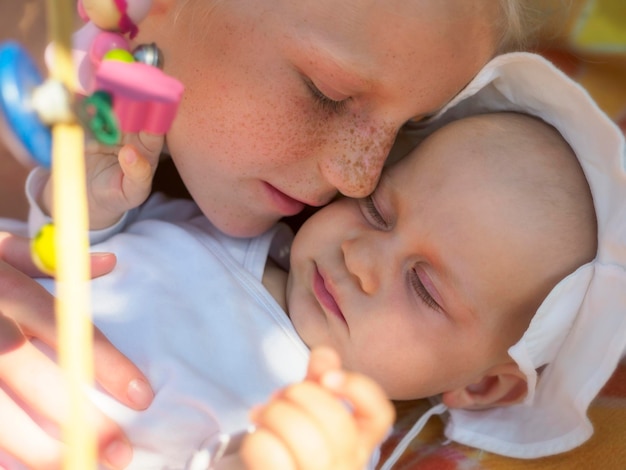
x,y
285,104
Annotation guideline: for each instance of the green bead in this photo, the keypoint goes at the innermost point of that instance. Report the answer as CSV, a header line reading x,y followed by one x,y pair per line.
x,y
96,112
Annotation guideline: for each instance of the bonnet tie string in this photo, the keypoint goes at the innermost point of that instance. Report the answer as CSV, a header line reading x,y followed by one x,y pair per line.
x,y
414,431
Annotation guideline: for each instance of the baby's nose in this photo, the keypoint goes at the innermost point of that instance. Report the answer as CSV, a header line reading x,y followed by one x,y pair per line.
x,y
362,263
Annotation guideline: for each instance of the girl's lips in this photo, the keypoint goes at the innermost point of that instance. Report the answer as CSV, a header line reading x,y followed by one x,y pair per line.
x,y
324,297
285,204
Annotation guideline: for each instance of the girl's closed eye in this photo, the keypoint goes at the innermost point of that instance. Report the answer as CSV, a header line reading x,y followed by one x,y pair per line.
x,y
422,291
323,101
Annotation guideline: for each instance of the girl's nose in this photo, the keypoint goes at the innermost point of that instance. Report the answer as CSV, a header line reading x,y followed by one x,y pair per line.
x,y
355,163
362,263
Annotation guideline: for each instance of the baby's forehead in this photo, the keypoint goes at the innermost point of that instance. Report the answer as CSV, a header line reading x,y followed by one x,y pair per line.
x,y
493,139
521,159
530,185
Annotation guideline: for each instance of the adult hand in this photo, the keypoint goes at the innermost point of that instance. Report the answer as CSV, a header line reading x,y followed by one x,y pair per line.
x,y
33,392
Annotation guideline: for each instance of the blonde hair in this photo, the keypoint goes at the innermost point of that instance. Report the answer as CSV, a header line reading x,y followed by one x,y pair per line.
x,y
523,21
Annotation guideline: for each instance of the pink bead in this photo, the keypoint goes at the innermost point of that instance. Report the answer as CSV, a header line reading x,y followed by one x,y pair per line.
x,y
144,98
103,43
138,9
81,11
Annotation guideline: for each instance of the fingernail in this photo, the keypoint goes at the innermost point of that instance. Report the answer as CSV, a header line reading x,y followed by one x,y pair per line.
x,y
118,454
333,379
100,254
140,394
129,155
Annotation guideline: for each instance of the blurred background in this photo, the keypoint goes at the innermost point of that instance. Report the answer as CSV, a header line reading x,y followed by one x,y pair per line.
x,y
25,22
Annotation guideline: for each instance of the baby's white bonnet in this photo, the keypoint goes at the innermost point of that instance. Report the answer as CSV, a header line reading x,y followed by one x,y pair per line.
x,y
579,331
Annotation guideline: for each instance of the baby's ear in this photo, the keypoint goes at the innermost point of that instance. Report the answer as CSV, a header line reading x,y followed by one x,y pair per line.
x,y
501,385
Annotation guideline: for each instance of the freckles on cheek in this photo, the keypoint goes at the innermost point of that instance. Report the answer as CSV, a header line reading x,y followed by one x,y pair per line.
x,y
286,131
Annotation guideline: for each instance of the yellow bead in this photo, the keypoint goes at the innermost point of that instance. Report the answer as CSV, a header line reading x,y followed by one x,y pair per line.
x,y
42,247
119,54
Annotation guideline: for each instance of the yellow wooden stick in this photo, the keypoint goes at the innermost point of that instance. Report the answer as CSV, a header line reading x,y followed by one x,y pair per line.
x,y
72,250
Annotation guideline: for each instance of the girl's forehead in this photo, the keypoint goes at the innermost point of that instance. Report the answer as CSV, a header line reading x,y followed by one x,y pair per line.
x,y
354,15
353,9
411,37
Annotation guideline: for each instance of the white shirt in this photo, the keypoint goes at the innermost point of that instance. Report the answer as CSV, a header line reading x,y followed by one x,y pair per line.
x,y
186,304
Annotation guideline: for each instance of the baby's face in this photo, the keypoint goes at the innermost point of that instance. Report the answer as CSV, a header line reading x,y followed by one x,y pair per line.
x,y
425,285
288,102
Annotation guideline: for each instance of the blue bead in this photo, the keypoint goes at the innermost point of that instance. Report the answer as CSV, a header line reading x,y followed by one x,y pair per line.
x,y
19,76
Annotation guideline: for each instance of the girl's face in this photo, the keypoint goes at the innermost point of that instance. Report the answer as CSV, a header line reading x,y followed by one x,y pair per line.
x,y
287,102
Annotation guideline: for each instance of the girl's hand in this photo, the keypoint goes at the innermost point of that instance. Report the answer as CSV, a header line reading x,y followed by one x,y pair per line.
x,y
333,420
33,392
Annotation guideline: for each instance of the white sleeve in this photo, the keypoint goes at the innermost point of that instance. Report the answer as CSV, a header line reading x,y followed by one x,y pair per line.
x,y
158,206
34,186
37,217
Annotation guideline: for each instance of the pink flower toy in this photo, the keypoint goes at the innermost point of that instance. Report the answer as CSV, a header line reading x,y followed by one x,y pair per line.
x,y
126,91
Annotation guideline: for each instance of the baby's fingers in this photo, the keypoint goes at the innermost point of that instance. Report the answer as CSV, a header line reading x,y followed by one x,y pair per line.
x,y
147,145
373,412
138,173
263,450
137,169
304,439
371,408
322,360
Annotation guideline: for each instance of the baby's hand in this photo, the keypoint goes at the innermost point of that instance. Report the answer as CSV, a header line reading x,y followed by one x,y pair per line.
x,y
120,178
333,420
